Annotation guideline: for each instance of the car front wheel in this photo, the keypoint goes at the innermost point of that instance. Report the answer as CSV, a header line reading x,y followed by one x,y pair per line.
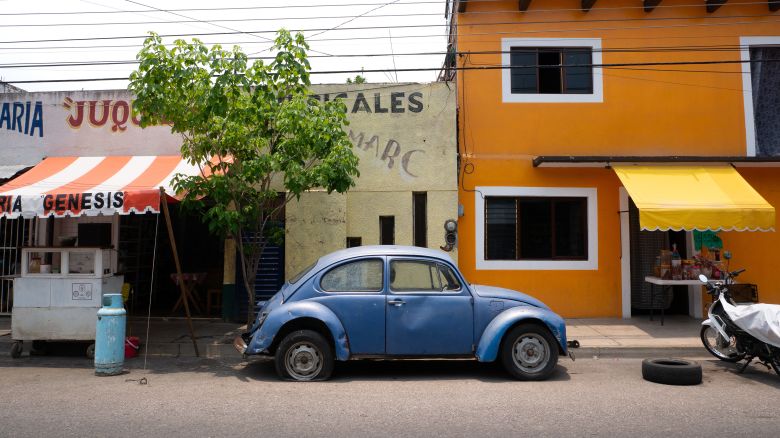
x,y
304,355
529,352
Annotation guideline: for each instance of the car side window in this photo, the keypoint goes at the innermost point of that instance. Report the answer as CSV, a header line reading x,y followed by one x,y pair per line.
x,y
421,276
358,276
449,280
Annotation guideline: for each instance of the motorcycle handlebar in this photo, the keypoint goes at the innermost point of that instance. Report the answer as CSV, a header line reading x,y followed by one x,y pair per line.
x,y
737,272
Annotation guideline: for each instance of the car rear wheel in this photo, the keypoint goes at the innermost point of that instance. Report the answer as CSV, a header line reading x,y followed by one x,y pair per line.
x,y
304,355
529,352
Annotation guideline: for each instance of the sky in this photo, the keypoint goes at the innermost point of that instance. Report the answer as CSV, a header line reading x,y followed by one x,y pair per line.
x,y
21,35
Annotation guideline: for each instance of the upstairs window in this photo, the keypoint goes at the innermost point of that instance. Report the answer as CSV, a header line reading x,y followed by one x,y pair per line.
x,y
551,70
765,77
562,70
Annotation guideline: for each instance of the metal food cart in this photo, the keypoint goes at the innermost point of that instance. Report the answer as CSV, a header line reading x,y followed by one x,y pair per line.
x,y
58,294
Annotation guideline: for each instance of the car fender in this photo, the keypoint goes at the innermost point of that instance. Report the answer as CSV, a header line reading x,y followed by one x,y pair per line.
x,y
264,336
490,341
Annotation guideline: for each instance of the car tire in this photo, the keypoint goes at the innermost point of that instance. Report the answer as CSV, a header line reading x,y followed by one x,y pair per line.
x,y
529,352
671,371
304,355
716,350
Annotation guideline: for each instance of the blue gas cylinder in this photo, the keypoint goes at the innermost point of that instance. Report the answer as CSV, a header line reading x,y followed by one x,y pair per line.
x,y
110,336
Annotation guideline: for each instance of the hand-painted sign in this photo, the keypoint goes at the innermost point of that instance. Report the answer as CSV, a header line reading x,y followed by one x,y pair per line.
x,y
404,134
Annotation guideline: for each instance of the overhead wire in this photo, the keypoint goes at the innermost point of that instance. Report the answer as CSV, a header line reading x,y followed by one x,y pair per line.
x,y
353,17
648,49
414,26
336,5
475,67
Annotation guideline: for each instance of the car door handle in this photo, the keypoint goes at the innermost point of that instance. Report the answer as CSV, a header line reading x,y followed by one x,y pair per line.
x,y
397,303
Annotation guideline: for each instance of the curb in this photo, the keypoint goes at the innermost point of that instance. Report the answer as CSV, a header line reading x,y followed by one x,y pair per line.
x,y
638,352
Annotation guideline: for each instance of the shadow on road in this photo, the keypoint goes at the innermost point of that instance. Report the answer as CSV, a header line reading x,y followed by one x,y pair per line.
x,y
70,355
402,370
756,372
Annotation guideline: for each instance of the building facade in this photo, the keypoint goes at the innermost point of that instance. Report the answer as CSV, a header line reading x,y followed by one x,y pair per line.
x,y
403,134
555,96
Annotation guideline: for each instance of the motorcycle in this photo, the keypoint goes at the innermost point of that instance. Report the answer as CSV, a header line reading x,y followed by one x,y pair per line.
x,y
733,333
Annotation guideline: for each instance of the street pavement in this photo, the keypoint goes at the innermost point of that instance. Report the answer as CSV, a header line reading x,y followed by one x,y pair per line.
x,y
221,394
184,396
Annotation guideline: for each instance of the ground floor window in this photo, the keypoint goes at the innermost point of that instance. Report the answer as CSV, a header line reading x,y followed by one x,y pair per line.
x,y
536,228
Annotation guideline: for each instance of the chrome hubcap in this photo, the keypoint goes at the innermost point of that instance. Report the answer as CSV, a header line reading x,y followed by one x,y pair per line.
x,y
303,361
530,352
724,347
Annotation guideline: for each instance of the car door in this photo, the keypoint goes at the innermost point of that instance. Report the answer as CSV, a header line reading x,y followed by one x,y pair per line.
x,y
353,290
429,311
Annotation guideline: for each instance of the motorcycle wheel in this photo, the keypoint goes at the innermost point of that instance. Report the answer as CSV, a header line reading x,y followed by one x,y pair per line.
x,y
719,347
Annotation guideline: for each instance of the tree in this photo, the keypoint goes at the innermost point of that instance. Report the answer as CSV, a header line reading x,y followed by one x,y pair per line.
x,y
251,128
358,80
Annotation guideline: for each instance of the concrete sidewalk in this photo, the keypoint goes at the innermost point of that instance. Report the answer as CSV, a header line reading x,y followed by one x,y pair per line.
x,y
602,337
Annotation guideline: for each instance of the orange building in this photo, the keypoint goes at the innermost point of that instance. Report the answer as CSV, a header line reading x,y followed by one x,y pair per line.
x,y
596,88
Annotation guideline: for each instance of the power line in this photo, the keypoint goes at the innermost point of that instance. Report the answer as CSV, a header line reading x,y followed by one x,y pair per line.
x,y
657,49
412,26
365,15
475,67
334,5
236,8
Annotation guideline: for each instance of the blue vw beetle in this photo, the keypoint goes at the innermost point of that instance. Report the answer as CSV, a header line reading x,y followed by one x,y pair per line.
x,y
400,302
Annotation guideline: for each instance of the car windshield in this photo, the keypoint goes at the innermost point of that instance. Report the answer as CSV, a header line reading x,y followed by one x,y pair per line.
x,y
303,272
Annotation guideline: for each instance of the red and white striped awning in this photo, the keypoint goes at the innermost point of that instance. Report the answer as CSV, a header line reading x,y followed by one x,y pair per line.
x,y
75,186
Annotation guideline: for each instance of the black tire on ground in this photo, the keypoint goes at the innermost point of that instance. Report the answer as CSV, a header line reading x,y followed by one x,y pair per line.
x,y
529,352
713,350
304,355
671,371
90,351
16,349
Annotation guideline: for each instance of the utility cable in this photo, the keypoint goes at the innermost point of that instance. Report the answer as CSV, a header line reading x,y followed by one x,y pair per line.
x,y
660,49
332,5
475,67
413,26
190,20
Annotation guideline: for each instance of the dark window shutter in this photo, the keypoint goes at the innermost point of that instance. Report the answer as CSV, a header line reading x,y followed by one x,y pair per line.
x,y
523,71
578,78
500,228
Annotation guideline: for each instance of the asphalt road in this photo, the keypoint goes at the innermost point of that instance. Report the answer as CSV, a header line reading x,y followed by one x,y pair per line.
x,y
60,396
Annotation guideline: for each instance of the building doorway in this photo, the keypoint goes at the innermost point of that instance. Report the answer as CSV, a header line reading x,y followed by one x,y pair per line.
x,y
644,248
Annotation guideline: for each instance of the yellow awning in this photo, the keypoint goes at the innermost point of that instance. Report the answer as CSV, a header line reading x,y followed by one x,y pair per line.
x,y
695,198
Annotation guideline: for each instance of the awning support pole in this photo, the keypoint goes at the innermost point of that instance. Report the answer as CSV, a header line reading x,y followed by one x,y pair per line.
x,y
179,278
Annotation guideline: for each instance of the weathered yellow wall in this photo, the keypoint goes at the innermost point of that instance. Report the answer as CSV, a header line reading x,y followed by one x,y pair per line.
x,y
645,111
404,136
315,225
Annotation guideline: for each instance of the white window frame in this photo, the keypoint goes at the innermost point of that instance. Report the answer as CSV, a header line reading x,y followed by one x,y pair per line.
x,y
747,86
591,263
506,75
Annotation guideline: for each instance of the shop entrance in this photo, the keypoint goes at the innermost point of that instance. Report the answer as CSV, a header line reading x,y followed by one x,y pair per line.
x,y
201,255
645,247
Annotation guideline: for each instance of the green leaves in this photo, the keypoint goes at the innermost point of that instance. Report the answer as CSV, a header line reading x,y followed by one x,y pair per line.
x,y
257,114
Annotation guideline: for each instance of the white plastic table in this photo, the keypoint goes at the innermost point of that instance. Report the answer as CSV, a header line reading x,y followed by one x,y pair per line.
x,y
665,285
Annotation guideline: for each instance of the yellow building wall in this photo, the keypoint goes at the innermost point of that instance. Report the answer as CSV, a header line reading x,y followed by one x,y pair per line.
x,y
405,138
658,112
316,224
758,252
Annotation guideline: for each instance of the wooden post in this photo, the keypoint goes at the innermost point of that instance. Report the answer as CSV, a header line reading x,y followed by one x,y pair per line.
x,y
182,287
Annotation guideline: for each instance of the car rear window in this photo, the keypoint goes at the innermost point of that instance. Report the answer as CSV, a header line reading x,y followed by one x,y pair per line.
x,y
300,275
